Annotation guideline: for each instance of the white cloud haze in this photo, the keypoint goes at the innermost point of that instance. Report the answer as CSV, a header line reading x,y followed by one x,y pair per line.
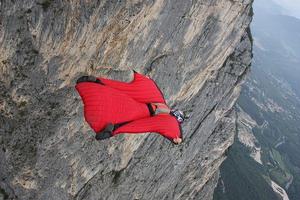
x,y
292,7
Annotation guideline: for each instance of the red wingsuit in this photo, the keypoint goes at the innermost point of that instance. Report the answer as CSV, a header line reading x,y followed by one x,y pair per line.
x,y
127,104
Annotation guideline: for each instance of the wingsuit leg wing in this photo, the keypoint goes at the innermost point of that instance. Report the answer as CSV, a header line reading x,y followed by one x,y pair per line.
x,y
104,105
165,125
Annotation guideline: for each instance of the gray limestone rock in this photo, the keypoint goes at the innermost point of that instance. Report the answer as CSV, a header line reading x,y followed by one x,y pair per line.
x,y
198,52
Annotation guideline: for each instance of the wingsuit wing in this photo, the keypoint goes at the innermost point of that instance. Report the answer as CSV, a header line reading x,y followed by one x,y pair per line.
x,y
141,88
103,105
164,124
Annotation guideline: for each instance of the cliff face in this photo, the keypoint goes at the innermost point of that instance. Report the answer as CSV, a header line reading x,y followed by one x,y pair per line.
x,y
197,51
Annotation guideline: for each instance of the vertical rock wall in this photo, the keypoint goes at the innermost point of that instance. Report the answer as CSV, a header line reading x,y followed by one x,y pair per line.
x,y
197,51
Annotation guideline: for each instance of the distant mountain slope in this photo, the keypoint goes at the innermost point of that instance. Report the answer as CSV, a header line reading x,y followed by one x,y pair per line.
x,y
264,162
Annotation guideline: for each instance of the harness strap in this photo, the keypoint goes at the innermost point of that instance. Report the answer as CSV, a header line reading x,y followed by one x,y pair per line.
x,y
151,110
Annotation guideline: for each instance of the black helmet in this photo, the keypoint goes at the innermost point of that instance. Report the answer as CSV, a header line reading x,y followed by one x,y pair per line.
x,y
178,114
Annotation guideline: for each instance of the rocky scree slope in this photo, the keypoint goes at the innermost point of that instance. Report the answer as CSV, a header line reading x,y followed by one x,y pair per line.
x,y
198,52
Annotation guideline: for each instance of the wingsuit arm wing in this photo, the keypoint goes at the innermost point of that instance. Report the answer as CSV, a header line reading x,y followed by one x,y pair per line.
x,y
141,88
165,125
